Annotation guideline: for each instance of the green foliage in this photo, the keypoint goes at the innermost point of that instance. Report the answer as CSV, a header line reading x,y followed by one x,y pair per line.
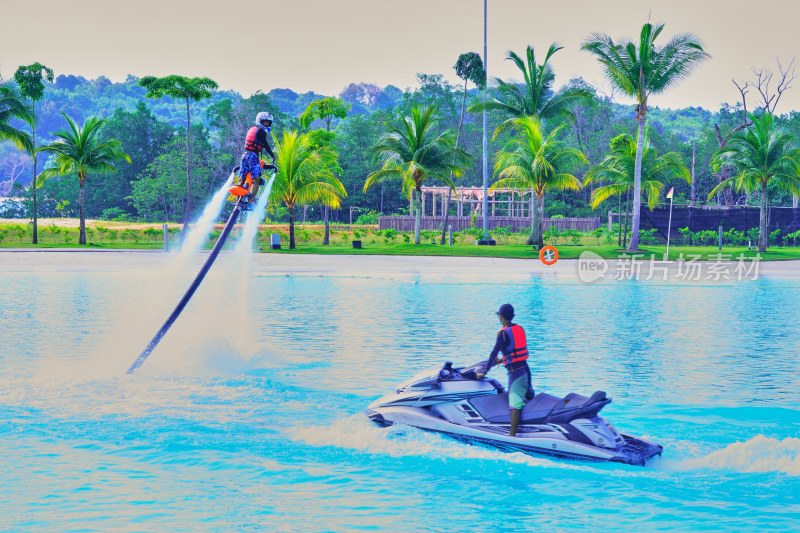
x,y
760,156
54,231
537,161
80,150
469,67
370,217
31,79
413,152
532,98
326,110
114,213
647,236
178,87
736,238
639,69
305,175
615,175
793,237
61,207
12,108
352,135
159,193
144,138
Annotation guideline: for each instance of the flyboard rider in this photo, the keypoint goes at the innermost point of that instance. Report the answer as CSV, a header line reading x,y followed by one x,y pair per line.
x,y
511,342
252,164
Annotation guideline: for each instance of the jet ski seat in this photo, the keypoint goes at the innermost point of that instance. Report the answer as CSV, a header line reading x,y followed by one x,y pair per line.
x,y
543,408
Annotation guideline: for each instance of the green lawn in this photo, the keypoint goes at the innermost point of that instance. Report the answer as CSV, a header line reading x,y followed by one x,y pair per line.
x,y
91,245
515,251
526,252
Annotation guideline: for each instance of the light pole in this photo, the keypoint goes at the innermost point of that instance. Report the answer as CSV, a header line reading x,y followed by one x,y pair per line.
x,y
485,144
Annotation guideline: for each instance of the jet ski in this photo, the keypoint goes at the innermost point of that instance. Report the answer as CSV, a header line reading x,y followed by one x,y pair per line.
x,y
454,402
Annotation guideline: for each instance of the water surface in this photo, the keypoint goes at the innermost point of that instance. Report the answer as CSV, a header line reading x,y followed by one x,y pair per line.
x,y
249,415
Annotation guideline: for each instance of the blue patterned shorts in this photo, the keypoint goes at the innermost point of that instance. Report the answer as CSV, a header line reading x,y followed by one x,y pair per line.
x,y
250,163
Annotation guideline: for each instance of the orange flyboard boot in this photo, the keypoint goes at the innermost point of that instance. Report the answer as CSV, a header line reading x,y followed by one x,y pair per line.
x,y
243,188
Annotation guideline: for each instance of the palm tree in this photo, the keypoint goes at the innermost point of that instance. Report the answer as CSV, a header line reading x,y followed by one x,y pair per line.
x,y
413,153
30,79
538,162
760,155
304,175
640,72
80,150
12,107
617,170
533,97
469,67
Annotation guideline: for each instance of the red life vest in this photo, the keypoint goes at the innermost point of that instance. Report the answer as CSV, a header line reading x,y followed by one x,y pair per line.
x,y
250,143
518,348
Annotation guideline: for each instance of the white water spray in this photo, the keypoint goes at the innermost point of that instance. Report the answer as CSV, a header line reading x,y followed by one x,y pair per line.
x,y
198,233
245,245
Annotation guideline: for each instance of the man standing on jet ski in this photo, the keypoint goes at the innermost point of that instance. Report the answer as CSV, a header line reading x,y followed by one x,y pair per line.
x,y
251,159
511,342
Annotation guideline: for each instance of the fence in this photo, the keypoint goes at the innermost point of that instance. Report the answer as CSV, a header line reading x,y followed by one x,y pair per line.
x,y
406,223
786,219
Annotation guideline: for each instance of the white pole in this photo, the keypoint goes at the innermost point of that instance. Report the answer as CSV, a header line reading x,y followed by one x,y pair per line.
x,y
669,229
485,145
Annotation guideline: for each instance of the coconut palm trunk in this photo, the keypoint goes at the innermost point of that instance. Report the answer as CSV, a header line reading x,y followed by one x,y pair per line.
x,y
417,212
81,208
763,228
627,218
536,226
637,184
291,227
326,239
35,239
540,222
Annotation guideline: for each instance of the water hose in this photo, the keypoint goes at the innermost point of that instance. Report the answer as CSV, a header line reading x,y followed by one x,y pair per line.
x,y
190,291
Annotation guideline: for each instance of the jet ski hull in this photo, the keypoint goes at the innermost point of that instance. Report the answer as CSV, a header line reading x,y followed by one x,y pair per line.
x,y
453,403
551,440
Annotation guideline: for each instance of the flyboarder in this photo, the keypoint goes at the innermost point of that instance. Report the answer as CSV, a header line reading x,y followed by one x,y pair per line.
x,y
252,164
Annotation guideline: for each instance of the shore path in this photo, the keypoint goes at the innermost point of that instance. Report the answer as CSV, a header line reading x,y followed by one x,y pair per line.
x,y
483,268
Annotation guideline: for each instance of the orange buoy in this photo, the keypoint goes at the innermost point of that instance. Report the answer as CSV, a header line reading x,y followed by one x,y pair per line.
x,y
548,255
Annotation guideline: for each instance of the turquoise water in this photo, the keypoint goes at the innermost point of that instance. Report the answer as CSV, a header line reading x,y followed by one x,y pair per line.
x,y
252,421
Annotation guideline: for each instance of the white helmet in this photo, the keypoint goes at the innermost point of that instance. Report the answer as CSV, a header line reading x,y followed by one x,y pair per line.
x,y
263,116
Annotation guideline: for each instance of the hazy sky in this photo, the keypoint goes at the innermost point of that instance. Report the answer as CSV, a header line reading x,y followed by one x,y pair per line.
x,y
323,45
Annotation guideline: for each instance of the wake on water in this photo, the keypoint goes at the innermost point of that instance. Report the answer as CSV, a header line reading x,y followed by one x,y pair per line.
x,y
759,454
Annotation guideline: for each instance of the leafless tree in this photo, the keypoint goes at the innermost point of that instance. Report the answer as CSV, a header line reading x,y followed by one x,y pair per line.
x,y
12,167
770,98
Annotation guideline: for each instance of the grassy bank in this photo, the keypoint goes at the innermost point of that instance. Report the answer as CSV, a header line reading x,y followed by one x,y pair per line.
x,y
63,233
704,253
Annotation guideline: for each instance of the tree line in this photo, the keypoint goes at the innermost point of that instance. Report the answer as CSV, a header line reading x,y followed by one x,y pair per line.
x,y
575,148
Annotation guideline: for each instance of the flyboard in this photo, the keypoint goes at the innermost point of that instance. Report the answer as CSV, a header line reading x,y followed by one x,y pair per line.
x,y
240,192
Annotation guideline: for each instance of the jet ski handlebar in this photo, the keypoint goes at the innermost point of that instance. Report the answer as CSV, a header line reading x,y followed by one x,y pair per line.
x,y
467,372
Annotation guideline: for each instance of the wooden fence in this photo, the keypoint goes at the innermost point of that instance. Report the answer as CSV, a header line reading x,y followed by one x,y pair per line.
x,y
406,223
